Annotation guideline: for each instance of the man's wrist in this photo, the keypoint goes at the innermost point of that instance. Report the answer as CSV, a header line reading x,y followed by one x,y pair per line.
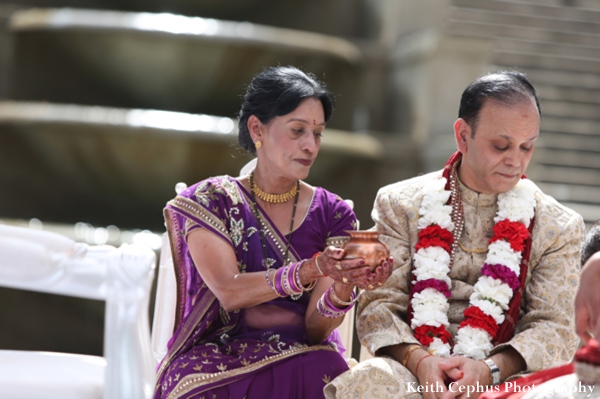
x,y
494,371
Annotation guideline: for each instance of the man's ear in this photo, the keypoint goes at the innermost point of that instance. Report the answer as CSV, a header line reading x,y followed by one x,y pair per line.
x,y
255,128
462,132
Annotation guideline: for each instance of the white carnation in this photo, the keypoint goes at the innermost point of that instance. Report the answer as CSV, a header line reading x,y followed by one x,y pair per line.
x,y
442,216
488,308
430,307
439,348
488,287
518,204
434,200
432,262
473,342
500,252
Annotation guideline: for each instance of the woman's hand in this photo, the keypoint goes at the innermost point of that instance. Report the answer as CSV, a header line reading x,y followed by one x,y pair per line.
x,y
379,276
349,272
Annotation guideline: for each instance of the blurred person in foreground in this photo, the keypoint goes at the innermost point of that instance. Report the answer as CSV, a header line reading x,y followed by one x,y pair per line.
x,y
587,301
486,264
262,284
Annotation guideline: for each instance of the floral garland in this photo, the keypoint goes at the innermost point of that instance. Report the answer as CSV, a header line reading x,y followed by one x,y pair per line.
x,y
493,290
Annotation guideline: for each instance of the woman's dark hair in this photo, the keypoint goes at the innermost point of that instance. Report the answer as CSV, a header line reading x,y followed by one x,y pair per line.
x,y
591,243
278,91
507,87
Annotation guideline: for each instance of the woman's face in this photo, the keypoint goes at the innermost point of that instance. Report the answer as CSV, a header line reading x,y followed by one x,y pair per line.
x,y
290,143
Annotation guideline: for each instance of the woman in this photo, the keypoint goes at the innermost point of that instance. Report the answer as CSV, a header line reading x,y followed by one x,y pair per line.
x,y
262,288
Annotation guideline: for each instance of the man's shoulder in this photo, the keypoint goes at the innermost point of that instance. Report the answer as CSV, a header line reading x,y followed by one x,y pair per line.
x,y
549,210
409,188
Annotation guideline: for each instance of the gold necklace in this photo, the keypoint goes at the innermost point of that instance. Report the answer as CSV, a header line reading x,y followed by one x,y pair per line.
x,y
273,198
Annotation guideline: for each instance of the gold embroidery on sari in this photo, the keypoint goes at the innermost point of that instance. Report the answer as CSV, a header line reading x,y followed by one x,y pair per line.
x,y
189,206
192,381
336,241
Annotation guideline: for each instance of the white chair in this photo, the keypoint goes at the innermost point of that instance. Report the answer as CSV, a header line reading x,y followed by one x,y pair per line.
x,y
48,262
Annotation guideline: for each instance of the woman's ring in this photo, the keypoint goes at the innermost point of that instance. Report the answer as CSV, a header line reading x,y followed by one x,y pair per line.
x,y
338,265
371,286
345,280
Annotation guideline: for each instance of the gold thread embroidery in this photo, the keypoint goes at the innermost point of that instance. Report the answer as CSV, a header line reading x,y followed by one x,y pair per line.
x,y
191,381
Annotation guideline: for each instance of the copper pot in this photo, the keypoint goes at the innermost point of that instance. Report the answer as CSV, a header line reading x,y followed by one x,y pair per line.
x,y
366,245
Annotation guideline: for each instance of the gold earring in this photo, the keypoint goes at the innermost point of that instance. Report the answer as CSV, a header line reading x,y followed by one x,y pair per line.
x,y
257,144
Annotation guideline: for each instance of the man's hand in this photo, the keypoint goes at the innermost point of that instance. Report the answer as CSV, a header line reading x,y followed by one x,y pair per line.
x,y
467,374
431,376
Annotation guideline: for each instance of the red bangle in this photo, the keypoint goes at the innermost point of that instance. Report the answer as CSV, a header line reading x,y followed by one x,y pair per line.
x,y
419,362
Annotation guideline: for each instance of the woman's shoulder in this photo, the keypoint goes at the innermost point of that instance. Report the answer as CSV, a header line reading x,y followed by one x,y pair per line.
x,y
213,189
331,200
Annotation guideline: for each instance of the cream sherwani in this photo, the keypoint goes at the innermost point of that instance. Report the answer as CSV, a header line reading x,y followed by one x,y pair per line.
x,y
545,334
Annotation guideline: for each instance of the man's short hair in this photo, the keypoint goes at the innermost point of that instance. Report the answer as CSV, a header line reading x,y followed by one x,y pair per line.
x,y
591,242
506,87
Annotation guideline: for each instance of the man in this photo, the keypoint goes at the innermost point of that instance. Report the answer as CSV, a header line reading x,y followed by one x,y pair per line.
x,y
486,264
587,301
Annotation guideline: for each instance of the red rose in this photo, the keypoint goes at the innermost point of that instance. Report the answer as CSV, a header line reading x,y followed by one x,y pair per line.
x,y
434,236
514,232
475,317
425,334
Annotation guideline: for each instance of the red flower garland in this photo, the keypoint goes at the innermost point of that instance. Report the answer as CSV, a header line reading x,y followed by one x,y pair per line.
x,y
425,334
435,236
514,233
475,318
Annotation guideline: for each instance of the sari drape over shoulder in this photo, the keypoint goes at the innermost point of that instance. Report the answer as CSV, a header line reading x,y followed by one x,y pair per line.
x,y
225,353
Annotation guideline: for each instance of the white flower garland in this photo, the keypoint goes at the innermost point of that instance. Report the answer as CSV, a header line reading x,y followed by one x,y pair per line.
x,y
491,295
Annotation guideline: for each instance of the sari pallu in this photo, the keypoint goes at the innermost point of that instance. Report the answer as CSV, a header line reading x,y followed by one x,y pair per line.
x,y
215,352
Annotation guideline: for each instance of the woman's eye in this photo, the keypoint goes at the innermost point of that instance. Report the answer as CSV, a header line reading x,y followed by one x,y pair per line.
x,y
500,148
298,131
318,134
527,149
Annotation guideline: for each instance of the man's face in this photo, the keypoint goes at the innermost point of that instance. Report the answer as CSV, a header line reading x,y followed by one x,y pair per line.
x,y
499,153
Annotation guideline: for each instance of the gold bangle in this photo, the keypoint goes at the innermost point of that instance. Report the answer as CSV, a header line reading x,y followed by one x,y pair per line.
x,y
409,352
317,264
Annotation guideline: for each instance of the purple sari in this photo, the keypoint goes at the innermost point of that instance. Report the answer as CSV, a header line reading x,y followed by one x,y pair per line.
x,y
257,352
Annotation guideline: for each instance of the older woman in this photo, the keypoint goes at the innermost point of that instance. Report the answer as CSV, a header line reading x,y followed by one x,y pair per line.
x,y
262,286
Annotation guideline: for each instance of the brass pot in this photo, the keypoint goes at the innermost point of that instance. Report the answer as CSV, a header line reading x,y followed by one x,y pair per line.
x,y
366,245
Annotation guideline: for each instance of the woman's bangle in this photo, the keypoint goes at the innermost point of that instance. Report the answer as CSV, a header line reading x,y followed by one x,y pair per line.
x,y
316,257
419,362
270,283
338,300
408,353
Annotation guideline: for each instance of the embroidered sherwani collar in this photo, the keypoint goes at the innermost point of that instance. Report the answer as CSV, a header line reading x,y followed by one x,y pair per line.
x,y
474,198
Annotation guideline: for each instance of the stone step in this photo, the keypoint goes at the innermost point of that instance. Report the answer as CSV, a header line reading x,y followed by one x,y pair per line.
x,y
459,26
569,158
564,79
582,4
546,61
562,174
548,48
571,109
569,125
555,11
571,192
519,20
568,141
568,94
165,61
69,163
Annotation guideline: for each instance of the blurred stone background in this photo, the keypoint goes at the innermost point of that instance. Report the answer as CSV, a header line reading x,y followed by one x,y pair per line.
x,y
105,105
